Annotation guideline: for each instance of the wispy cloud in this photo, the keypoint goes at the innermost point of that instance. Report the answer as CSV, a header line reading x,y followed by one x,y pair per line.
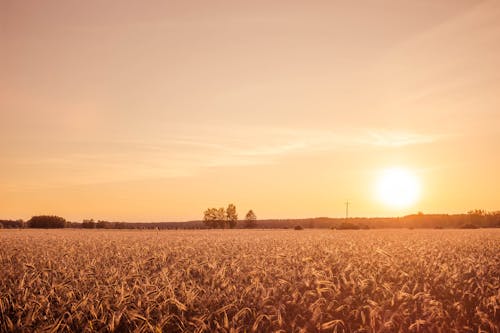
x,y
385,138
184,155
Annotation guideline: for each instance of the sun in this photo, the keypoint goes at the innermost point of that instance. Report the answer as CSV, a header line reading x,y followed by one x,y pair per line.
x,y
398,188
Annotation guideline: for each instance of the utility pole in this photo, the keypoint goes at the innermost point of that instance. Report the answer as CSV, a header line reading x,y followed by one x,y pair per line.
x,y
347,209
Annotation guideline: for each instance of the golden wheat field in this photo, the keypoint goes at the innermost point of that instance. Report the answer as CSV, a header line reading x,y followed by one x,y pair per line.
x,y
250,281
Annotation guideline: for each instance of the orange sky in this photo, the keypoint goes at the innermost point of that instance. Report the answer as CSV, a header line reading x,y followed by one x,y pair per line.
x,y
156,110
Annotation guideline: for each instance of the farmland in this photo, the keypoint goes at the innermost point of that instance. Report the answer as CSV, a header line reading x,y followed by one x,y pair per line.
x,y
250,280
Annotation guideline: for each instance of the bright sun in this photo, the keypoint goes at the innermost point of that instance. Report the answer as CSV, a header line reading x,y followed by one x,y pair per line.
x,y
398,188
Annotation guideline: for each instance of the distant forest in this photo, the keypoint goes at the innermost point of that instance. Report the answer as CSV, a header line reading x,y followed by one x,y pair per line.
x,y
471,220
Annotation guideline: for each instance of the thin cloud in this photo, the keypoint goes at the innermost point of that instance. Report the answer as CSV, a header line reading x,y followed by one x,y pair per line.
x,y
183,156
398,139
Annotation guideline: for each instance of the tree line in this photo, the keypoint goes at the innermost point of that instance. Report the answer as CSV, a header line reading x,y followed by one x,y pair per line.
x,y
56,222
219,218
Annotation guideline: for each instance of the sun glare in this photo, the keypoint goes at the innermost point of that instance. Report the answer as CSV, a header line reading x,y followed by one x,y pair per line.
x,y
398,188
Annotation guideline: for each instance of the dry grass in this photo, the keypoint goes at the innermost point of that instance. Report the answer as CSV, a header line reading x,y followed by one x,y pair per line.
x,y
229,281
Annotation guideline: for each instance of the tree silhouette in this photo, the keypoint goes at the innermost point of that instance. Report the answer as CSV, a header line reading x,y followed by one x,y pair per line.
x,y
46,221
220,217
250,219
103,224
215,217
209,218
231,216
89,224
477,217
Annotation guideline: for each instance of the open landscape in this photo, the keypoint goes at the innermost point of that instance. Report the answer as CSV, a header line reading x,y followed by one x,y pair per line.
x,y
250,166
250,280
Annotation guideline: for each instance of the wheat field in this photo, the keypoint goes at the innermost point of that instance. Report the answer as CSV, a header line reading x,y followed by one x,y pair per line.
x,y
250,281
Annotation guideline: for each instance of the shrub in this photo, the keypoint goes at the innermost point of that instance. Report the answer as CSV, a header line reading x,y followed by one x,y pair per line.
x,y
469,226
298,227
348,226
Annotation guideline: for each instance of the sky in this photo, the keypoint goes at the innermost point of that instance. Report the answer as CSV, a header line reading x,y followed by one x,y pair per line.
x,y
157,110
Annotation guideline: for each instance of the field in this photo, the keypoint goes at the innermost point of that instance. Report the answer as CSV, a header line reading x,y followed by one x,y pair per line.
x,y
253,281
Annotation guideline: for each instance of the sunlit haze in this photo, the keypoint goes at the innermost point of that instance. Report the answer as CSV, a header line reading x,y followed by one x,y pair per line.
x,y
156,110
